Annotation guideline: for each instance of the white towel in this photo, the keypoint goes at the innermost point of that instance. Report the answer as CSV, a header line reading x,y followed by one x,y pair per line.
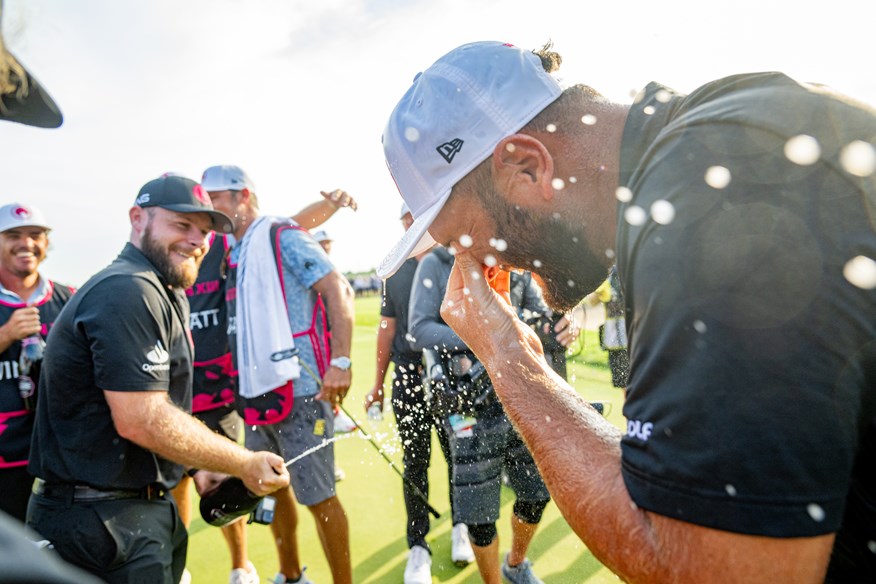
x,y
266,356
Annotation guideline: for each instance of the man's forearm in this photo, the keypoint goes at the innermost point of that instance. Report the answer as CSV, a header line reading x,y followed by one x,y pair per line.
x,y
173,434
338,297
315,214
578,455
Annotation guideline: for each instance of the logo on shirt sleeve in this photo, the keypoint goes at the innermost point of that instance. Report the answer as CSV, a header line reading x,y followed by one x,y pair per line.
x,y
158,357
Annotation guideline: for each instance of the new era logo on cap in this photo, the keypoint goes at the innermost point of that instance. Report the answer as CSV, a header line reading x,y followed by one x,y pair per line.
x,y
476,95
449,149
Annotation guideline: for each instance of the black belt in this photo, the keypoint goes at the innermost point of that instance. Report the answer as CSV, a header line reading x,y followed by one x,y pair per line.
x,y
67,491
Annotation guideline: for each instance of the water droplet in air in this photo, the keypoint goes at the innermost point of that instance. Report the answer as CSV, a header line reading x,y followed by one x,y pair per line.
x,y
570,283
717,177
536,263
588,119
510,147
731,490
551,128
635,215
466,291
501,245
558,184
815,512
700,326
547,419
489,261
412,134
648,110
465,240
861,271
623,194
663,96
427,283
475,275
803,150
858,158
383,324
663,212
609,253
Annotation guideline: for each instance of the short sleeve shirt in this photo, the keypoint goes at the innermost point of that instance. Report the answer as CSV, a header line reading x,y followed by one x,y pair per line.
x,y
125,330
753,370
304,264
396,296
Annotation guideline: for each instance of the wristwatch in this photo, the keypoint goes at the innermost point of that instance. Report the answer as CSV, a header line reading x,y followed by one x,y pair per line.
x,y
342,363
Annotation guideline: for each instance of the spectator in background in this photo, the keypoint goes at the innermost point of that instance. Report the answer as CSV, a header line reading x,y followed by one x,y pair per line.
x,y
613,334
414,419
290,373
483,444
29,304
214,382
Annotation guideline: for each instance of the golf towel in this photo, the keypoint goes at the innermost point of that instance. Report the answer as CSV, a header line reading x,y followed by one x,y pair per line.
x,y
266,352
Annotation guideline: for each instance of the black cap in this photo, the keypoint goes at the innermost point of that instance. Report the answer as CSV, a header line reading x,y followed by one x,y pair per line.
x,y
183,195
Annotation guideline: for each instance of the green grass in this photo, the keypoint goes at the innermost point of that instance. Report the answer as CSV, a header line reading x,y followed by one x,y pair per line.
x,y
372,497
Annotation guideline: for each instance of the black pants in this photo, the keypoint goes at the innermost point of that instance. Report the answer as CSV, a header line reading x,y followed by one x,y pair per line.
x,y
415,423
122,541
15,484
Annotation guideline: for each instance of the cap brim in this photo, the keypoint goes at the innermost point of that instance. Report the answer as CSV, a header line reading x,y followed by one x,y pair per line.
x,y
220,220
415,241
25,224
37,108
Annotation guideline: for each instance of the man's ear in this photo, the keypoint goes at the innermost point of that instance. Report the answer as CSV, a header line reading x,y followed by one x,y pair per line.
x,y
523,167
139,218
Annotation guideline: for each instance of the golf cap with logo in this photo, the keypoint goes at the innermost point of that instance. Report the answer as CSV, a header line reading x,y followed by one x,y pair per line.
x,y
226,177
23,99
183,195
450,120
19,215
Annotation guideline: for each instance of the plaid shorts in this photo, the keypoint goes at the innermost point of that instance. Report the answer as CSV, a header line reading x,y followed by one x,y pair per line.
x,y
309,425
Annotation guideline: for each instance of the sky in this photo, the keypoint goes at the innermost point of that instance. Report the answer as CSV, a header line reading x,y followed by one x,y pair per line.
x,y
298,92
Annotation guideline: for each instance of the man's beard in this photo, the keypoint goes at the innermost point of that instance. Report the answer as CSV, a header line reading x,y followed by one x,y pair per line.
x,y
181,276
555,251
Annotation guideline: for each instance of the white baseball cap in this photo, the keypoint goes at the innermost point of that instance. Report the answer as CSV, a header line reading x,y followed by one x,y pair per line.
x,y
450,120
226,177
19,215
321,236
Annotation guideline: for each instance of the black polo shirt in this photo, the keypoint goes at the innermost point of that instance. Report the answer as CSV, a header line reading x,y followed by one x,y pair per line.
x,y
125,330
752,394
396,296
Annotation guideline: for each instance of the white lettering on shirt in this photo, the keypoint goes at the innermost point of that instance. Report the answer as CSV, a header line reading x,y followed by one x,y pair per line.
x,y
639,429
8,370
204,318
